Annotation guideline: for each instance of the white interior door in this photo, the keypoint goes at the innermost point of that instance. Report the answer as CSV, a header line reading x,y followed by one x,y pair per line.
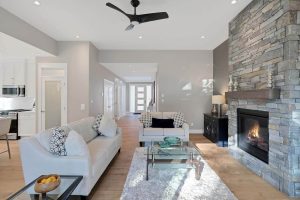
x,y
108,97
140,98
53,108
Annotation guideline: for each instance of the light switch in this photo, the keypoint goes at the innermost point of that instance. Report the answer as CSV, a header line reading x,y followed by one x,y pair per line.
x,y
82,107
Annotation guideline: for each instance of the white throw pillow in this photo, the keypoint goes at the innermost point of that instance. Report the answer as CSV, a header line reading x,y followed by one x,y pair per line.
x,y
108,126
75,145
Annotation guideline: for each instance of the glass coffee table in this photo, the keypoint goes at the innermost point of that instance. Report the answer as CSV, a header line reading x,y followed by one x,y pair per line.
x,y
182,155
67,185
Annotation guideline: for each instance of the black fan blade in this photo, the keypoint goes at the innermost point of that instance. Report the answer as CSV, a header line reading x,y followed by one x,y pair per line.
x,y
152,17
118,9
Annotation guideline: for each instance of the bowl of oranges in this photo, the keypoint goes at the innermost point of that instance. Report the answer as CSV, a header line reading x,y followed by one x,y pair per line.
x,y
47,183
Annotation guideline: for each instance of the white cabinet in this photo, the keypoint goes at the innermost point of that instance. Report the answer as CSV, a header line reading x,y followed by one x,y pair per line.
x,y
27,123
13,72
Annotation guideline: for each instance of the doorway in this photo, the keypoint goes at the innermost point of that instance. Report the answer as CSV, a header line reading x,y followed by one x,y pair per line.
x,y
141,97
108,97
52,95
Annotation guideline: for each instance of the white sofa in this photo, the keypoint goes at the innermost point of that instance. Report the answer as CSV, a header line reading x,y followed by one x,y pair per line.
x,y
36,159
158,134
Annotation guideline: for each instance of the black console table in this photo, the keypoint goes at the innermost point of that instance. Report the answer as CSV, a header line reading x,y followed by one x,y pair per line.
x,y
216,129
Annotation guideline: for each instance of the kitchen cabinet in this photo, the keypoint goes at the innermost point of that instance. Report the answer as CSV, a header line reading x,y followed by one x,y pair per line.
x,y
13,72
216,129
27,123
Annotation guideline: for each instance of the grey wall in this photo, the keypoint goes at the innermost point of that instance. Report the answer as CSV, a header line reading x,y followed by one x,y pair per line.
x,y
176,70
96,81
17,28
221,68
76,55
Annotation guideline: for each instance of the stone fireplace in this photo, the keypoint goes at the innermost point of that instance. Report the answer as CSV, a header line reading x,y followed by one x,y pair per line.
x,y
253,133
264,38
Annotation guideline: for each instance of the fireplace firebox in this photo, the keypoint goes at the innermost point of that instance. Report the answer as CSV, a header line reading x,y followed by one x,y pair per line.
x,y
253,133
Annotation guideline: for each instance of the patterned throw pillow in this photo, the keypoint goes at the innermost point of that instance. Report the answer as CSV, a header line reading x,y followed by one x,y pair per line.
x,y
146,119
97,122
178,120
57,142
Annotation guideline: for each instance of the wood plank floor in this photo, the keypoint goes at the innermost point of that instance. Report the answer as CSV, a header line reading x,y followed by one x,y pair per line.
x,y
242,182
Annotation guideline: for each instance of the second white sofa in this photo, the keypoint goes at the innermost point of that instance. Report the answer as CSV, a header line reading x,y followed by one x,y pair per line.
x,y
158,134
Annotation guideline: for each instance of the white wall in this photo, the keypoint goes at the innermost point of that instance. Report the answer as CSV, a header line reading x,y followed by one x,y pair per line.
x,y
176,69
76,55
17,28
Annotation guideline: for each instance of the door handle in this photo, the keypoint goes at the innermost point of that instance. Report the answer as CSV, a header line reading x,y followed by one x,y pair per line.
x,y
43,111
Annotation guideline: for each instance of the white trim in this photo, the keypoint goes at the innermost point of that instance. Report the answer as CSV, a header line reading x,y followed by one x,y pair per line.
x,y
41,66
197,131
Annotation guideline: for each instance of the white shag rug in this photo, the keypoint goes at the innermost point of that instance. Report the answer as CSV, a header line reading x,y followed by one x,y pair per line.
x,y
171,184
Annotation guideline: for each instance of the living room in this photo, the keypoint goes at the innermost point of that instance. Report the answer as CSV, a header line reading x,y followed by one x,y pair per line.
x,y
220,119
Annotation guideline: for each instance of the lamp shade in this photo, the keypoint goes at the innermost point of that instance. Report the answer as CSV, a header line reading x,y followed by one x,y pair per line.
x,y
218,99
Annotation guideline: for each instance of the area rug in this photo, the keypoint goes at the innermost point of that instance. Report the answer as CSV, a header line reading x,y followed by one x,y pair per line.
x,y
171,184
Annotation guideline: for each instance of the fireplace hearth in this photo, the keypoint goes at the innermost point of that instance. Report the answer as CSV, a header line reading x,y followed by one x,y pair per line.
x,y
253,133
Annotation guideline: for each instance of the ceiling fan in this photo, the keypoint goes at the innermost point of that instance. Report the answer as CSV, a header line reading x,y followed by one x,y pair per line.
x,y
138,19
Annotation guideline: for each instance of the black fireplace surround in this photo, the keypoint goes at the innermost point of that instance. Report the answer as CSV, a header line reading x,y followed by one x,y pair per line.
x,y
253,133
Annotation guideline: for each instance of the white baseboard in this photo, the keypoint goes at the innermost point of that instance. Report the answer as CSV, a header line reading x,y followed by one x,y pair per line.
x,y
196,131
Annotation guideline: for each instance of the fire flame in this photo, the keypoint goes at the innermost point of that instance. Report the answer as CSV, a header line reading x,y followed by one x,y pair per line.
x,y
254,132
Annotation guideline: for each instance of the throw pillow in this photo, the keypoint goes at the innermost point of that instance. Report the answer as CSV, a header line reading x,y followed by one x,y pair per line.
x,y
97,123
75,145
57,142
146,119
178,119
108,126
162,123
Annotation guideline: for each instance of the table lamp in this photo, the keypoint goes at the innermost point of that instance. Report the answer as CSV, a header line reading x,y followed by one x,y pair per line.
x,y
217,101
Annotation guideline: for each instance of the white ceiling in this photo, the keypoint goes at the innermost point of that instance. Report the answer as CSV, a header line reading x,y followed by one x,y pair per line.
x,y
93,21
14,48
134,72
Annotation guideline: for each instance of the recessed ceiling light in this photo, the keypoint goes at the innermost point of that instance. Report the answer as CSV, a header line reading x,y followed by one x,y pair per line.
x,y
77,36
37,3
233,1
202,37
140,37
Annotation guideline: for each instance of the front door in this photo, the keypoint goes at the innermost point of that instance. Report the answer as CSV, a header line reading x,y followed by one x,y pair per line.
x,y
140,99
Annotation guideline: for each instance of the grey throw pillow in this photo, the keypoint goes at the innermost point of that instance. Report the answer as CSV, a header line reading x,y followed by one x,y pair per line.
x,y
146,119
178,120
97,122
57,142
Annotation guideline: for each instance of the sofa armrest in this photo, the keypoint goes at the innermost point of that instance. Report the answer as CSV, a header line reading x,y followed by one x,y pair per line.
x,y
186,128
36,161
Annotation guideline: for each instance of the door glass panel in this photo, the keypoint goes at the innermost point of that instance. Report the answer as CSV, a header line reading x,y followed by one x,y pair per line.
x,y
52,104
140,89
140,107
141,95
141,102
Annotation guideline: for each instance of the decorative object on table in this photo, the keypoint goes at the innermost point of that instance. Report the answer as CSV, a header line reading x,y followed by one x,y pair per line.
x,y
230,84
270,79
47,183
217,101
170,141
235,84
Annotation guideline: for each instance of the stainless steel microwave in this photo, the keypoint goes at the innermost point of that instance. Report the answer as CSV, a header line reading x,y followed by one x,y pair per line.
x,y
13,90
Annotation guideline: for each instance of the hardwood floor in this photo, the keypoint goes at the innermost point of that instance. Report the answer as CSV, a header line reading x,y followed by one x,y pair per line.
x,y
242,182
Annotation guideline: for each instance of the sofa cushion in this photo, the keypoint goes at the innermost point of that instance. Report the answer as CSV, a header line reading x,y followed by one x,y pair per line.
x,y
178,119
84,128
75,145
153,131
97,122
108,126
57,142
168,115
162,123
157,115
146,119
100,148
173,132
